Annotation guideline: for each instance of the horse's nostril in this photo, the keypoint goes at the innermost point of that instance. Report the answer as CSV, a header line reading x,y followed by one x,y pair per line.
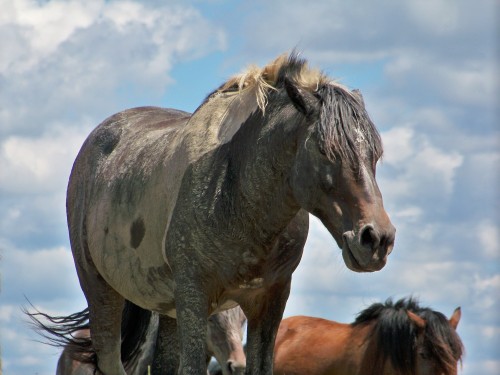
x,y
235,367
369,237
230,366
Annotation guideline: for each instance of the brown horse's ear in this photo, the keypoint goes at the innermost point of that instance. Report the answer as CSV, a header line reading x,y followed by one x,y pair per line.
x,y
455,317
419,322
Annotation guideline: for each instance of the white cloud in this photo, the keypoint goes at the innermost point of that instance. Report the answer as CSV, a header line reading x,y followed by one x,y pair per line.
x,y
40,164
437,18
490,331
489,239
45,26
474,82
491,285
398,145
42,27
420,171
76,60
409,214
439,163
481,367
48,279
39,274
6,312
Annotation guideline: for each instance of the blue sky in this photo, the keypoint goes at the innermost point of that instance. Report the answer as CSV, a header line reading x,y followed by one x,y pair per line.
x,y
428,71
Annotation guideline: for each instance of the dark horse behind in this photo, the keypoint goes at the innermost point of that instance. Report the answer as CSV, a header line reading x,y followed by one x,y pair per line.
x,y
190,214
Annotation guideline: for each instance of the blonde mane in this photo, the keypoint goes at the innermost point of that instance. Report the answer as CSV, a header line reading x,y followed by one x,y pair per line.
x,y
263,80
342,121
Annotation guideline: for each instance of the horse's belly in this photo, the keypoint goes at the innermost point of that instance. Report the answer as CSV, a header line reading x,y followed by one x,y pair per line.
x,y
132,263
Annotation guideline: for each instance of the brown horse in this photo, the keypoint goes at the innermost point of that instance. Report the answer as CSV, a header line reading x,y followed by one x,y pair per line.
x,y
191,214
399,338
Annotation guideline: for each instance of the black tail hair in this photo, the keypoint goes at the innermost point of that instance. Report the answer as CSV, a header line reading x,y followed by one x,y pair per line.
x,y
60,331
135,324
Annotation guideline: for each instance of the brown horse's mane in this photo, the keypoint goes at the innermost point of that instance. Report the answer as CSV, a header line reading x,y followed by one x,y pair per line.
x,y
343,121
396,335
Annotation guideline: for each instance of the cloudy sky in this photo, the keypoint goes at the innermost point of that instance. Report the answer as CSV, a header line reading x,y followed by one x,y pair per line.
x,y
428,71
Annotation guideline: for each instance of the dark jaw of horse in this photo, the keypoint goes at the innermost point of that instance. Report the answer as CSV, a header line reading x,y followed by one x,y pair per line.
x,y
349,259
352,263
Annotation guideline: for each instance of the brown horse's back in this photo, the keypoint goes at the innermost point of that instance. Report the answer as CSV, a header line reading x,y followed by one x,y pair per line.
x,y
308,345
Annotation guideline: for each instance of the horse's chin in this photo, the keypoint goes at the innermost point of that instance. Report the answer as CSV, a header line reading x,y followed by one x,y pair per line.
x,y
356,257
353,264
349,259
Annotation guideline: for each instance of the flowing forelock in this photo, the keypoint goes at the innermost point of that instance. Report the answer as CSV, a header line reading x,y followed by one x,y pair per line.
x,y
344,127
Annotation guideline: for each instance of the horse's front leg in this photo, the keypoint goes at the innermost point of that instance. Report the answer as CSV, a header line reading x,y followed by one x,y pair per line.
x,y
264,316
192,314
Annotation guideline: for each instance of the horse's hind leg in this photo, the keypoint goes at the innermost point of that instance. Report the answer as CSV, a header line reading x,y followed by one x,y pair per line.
x,y
166,356
105,307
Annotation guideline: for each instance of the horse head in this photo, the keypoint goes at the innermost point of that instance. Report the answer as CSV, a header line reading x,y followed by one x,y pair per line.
x,y
437,351
334,172
225,335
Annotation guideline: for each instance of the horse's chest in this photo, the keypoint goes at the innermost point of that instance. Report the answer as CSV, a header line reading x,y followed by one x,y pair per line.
x,y
251,268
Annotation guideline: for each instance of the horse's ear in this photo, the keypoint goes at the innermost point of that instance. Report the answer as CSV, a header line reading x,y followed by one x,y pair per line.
x,y
297,96
359,96
455,317
419,322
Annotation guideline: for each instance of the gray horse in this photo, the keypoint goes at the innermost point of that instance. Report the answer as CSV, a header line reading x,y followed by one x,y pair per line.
x,y
188,215
159,349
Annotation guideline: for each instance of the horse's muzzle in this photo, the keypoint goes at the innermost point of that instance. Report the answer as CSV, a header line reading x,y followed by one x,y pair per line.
x,y
367,250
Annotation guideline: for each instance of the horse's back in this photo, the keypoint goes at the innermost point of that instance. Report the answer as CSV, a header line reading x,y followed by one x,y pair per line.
x,y
128,142
309,345
129,132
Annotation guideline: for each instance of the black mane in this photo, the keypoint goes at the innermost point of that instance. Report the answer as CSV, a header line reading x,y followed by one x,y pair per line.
x,y
343,123
343,118
396,335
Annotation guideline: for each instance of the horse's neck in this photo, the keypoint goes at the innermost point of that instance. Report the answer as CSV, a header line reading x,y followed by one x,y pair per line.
x,y
264,157
216,121
254,187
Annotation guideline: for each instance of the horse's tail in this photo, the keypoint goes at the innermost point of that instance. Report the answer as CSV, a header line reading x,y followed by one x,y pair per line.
x,y
65,332
136,322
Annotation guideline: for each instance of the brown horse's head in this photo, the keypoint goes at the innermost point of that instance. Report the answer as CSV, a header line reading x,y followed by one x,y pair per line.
x,y
225,335
438,348
408,339
334,171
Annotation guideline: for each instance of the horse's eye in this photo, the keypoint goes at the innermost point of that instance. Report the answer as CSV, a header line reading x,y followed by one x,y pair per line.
x,y
424,355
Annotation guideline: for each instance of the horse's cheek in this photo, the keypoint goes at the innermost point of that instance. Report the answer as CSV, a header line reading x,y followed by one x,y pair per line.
x,y
302,182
